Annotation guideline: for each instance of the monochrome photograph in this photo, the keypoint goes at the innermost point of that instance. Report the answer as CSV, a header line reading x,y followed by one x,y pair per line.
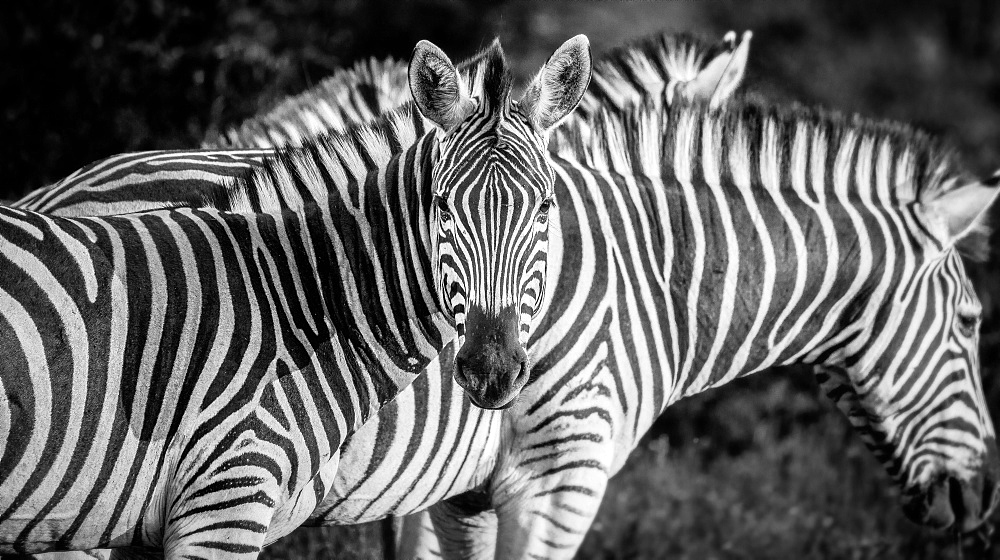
x,y
521,279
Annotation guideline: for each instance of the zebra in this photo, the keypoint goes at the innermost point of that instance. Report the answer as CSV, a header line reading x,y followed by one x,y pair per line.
x,y
423,167
463,431
658,67
475,428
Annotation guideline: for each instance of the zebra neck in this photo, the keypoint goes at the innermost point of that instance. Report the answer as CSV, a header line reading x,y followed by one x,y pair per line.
x,y
759,280
366,252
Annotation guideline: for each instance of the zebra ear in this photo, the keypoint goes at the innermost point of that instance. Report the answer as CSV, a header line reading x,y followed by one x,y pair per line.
x,y
962,211
723,74
556,90
436,86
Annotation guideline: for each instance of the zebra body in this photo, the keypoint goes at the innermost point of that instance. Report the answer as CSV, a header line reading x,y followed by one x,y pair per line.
x,y
369,485
237,359
136,182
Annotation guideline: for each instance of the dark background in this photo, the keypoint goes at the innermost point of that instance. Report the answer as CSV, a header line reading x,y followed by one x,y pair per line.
x,y
758,469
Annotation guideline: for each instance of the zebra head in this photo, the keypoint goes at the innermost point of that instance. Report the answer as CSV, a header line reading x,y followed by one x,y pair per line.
x,y
908,375
493,186
666,68
713,74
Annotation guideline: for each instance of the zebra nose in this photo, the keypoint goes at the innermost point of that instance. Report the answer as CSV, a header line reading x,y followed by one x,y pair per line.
x,y
492,375
953,503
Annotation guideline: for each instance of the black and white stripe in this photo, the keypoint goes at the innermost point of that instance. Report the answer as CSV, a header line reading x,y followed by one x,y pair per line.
x,y
711,245
344,164
183,379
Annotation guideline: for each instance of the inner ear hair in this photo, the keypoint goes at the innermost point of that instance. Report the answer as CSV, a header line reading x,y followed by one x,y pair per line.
x,y
435,86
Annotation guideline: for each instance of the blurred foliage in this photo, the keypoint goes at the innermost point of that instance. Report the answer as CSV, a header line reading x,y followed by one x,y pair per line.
x,y
758,469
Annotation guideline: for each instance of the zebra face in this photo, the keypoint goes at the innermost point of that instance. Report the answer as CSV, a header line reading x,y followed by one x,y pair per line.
x,y
910,383
492,218
493,187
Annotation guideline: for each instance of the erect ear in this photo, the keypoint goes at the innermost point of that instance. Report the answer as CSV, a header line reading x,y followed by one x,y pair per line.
x,y
559,85
955,213
723,74
435,86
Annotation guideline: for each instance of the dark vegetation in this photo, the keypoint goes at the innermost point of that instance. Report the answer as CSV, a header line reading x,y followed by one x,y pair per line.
x,y
759,469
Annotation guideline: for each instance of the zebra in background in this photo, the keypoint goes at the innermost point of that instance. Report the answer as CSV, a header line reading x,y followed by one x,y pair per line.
x,y
294,178
660,67
873,292
172,178
673,283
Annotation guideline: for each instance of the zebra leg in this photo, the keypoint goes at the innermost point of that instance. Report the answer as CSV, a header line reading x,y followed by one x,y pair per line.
x,y
465,526
229,513
417,540
551,482
549,520
220,538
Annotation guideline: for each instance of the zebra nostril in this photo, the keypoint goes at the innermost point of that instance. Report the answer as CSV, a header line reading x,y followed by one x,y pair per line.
x,y
461,374
522,376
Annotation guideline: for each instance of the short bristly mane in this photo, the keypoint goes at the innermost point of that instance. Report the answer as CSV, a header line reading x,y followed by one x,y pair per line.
x,y
487,76
380,85
297,174
302,173
638,139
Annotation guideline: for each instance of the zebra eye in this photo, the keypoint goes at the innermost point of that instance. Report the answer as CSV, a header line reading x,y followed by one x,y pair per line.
x,y
967,324
543,211
443,212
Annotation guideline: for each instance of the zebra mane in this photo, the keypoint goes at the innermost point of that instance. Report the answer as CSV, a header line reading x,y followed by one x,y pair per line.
x,y
298,172
349,96
750,137
297,175
488,76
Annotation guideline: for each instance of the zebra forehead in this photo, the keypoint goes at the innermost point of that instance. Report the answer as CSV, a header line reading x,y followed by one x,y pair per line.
x,y
488,77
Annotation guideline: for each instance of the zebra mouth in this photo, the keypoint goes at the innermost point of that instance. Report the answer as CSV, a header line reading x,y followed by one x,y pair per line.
x,y
501,400
509,404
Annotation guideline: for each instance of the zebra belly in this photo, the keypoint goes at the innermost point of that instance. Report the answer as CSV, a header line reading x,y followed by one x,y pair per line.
x,y
94,509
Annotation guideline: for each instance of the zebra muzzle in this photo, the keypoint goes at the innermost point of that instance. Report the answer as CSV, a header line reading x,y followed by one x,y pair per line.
x,y
955,504
492,365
